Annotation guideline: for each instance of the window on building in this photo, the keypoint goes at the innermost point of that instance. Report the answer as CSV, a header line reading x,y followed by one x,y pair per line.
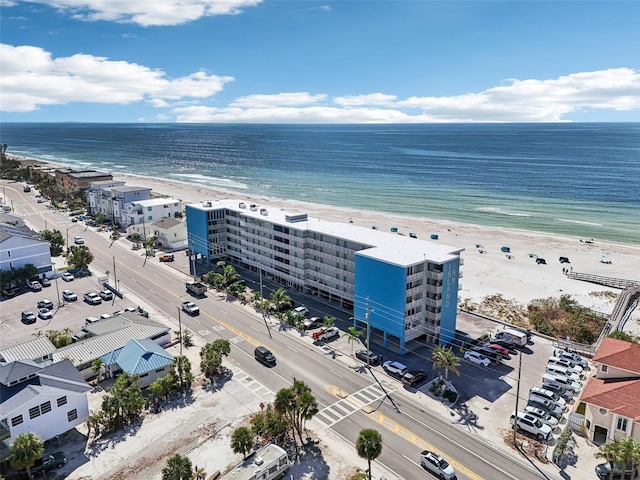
x,y
622,424
62,401
16,420
159,370
604,368
34,412
150,217
45,407
72,415
149,209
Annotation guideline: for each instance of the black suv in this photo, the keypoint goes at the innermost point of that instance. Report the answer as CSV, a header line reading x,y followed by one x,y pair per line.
x,y
264,356
603,471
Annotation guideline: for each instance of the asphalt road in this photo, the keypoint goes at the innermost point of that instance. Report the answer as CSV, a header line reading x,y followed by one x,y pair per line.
x,y
406,426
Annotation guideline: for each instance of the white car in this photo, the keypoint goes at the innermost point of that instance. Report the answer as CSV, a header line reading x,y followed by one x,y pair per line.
x,y
533,425
67,277
574,357
45,313
78,240
477,358
558,370
549,394
545,417
563,362
301,310
548,405
437,465
106,295
395,368
34,285
92,298
69,296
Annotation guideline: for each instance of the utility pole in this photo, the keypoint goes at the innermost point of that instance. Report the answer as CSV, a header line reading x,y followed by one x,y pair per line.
x,y
368,331
515,422
115,277
262,299
180,329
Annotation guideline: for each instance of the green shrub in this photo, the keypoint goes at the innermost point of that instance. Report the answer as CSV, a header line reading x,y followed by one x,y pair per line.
x,y
450,395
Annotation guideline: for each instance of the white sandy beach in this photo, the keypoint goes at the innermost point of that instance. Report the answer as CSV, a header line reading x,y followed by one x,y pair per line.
x,y
519,278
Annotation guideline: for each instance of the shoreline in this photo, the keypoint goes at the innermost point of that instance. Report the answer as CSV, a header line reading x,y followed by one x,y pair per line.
x,y
517,279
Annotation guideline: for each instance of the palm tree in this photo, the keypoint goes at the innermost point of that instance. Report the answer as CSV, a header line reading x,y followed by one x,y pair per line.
x,y
136,238
443,357
229,275
279,298
369,445
97,366
181,372
25,450
211,356
199,473
328,321
352,336
178,468
242,441
612,452
632,452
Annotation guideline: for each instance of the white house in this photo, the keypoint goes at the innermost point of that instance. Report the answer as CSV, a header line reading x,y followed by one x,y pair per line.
x,y
20,246
170,233
148,211
46,400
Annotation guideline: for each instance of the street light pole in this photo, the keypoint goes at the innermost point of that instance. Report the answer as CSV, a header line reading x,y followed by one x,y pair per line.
x,y
180,329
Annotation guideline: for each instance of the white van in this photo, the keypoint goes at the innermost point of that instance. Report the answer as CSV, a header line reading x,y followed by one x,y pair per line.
x,y
513,336
564,382
565,372
90,320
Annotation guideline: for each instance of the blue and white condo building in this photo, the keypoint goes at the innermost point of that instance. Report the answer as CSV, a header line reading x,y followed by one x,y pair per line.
x,y
407,287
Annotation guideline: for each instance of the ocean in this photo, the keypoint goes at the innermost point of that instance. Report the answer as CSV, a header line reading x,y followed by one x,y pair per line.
x,y
573,179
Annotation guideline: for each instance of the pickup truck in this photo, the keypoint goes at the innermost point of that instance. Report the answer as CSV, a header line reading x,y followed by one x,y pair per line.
x,y
326,333
48,462
196,288
191,308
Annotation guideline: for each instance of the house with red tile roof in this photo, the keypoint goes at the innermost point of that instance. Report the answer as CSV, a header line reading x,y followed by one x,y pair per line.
x,y
612,397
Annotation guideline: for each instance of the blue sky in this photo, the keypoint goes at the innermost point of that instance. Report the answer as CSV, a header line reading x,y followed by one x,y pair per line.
x,y
276,61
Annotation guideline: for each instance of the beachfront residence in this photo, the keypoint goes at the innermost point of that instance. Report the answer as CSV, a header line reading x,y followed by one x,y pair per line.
x,y
143,358
406,287
19,246
48,400
111,198
102,337
170,233
611,397
145,212
70,180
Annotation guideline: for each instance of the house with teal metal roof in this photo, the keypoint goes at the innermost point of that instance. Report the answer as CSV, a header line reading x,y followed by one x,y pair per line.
x,y
143,358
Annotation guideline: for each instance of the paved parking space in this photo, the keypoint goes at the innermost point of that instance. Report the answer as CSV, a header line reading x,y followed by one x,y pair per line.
x,y
70,315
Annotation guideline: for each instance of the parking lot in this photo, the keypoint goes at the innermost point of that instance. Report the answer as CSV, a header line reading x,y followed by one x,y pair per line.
x,y
66,314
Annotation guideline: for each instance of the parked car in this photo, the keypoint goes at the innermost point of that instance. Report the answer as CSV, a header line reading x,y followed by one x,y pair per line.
x,y
45,314
504,344
558,370
499,349
568,364
367,356
78,240
549,394
9,292
69,296
549,379
530,424
48,462
414,378
34,285
301,310
106,295
92,298
395,368
28,317
544,416
167,258
67,277
477,358
312,322
562,392
45,304
45,282
574,357
549,406
437,465
603,471
326,333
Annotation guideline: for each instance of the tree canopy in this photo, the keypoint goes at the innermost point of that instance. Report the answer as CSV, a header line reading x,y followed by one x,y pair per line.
x,y
25,450
369,445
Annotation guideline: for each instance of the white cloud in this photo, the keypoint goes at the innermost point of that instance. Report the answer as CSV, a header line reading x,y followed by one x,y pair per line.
x,y
539,100
146,12
370,99
32,78
277,100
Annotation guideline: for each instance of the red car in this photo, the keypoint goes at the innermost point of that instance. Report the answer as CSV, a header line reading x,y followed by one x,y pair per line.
x,y
498,349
